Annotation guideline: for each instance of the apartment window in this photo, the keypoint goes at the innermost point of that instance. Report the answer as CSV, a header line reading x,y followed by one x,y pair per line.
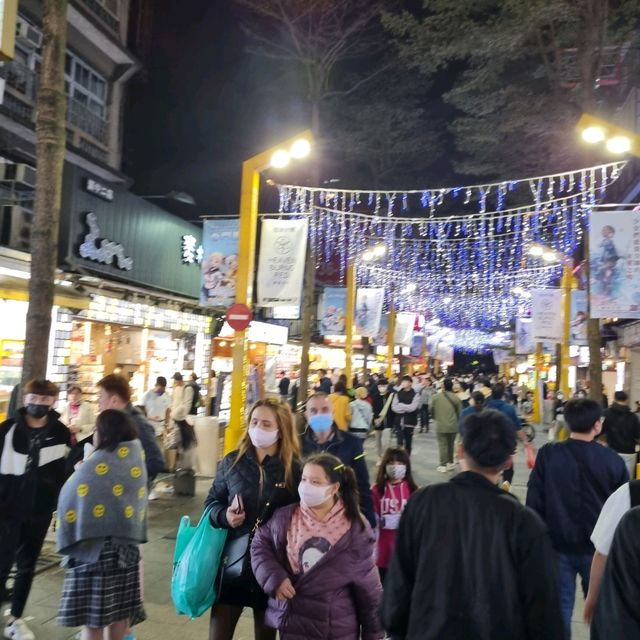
x,y
85,85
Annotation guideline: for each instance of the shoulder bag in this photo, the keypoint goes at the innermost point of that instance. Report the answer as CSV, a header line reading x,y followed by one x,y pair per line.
x,y
235,567
453,404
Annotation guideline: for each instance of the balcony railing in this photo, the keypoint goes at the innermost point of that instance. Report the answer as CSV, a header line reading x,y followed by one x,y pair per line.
x,y
20,100
99,10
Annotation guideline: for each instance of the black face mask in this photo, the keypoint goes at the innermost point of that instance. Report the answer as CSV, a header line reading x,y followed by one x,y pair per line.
x,y
37,410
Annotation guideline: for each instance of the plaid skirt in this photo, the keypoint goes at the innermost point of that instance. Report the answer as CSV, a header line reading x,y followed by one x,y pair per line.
x,y
104,592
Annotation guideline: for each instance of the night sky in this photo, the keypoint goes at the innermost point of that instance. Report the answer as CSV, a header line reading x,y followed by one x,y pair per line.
x,y
202,106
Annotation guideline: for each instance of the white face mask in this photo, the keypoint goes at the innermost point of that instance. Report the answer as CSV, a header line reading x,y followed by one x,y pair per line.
x,y
313,495
263,439
396,472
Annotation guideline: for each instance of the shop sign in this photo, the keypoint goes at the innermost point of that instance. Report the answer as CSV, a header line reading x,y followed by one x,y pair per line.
x,y
192,252
97,189
259,332
103,250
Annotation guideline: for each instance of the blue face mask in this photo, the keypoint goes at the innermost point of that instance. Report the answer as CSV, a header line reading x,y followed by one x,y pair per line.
x,y
321,422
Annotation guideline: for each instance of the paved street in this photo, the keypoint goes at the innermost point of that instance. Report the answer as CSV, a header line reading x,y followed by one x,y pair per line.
x,y
164,516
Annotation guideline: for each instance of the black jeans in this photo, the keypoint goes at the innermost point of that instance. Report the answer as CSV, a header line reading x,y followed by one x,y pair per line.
x,y
20,542
424,418
405,437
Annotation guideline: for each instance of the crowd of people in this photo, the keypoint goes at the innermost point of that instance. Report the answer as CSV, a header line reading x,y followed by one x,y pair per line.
x,y
315,548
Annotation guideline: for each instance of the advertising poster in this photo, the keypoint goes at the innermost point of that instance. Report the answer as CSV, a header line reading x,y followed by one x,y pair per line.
x,y
380,339
546,305
614,257
501,356
579,317
525,343
332,311
403,336
418,346
220,262
283,247
369,311
445,353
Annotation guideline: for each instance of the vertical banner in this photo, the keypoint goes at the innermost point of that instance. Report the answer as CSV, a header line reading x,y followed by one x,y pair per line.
x,y
219,262
403,335
501,356
332,311
283,247
380,339
369,311
546,305
525,343
614,257
579,317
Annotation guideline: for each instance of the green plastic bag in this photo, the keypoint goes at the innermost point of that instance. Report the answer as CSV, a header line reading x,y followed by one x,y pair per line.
x,y
196,561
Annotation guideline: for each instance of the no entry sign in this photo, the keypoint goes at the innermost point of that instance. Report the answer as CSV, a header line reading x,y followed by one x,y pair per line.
x,y
239,316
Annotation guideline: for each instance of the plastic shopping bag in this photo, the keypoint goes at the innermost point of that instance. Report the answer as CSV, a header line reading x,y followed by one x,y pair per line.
x,y
530,455
196,562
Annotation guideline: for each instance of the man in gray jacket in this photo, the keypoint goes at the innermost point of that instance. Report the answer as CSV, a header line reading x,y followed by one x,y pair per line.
x,y
445,410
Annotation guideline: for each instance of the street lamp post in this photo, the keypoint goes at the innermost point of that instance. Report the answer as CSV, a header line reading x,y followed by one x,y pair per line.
x,y
349,320
277,157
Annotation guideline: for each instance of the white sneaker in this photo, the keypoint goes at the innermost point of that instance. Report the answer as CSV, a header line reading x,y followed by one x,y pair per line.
x,y
153,495
442,468
18,630
451,466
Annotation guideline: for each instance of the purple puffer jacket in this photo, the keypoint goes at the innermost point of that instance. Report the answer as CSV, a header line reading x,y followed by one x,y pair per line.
x,y
337,599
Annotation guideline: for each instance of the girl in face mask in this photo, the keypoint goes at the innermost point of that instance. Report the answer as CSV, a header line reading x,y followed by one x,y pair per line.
x,y
77,414
391,491
251,483
315,560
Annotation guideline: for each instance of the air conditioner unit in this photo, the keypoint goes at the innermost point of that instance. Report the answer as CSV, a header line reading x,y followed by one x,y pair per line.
x,y
16,227
23,175
27,34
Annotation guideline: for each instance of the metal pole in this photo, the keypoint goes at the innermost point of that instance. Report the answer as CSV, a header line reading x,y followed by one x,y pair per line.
x,y
350,320
391,330
567,281
537,405
250,190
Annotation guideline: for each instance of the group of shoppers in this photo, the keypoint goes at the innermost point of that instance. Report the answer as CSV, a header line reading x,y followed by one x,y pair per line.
x,y
98,485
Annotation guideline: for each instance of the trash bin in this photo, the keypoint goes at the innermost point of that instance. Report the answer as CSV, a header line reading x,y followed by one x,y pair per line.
x,y
206,428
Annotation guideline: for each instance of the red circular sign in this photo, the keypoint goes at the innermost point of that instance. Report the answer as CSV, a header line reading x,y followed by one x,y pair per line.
x,y
239,316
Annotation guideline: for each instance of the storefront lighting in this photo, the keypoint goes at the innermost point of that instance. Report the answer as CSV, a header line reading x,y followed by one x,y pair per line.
x,y
252,346
14,273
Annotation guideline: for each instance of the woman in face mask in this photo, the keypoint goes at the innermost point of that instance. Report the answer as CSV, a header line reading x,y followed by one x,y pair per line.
x,y
315,560
251,483
77,414
391,491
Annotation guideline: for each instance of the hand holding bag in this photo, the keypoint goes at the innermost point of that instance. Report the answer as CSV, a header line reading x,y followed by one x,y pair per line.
x,y
196,563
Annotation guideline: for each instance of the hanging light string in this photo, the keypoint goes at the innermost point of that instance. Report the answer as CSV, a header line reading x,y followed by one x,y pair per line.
x,y
536,189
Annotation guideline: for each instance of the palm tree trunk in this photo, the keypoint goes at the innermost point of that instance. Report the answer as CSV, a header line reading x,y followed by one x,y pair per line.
x,y
50,146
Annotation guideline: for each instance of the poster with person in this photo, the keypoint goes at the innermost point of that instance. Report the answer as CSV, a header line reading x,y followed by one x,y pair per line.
x,y
614,261
369,311
405,322
380,339
579,317
220,262
332,311
525,344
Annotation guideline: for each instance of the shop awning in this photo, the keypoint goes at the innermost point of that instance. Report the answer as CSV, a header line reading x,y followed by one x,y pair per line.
x,y
17,289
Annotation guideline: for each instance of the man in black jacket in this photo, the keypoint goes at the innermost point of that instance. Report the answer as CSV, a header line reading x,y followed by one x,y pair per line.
x,y
470,560
568,487
621,429
323,435
114,392
33,446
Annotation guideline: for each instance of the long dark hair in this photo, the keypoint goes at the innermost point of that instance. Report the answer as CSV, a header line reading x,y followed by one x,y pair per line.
x,y
478,400
395,455
338,472
112,428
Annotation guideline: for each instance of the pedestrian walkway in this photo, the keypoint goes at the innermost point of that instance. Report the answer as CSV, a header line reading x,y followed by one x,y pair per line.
x,y
164,515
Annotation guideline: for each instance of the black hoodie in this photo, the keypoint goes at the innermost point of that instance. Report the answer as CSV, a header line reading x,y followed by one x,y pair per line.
x,y
621,428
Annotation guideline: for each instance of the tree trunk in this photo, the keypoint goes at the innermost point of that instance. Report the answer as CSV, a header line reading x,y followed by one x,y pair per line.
x,y
309,293
50,147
